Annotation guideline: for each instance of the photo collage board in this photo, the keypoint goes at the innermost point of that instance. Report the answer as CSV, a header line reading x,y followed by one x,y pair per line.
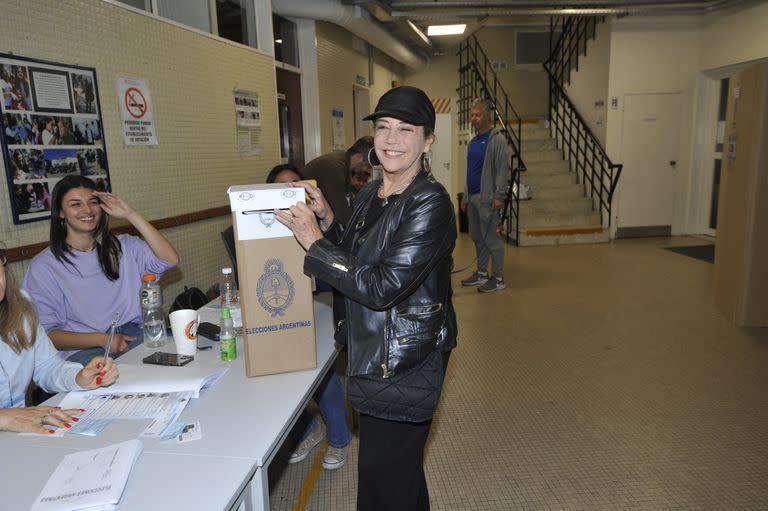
x,y
51,127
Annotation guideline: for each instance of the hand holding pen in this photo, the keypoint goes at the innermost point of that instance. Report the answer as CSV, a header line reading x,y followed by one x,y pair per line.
x,y
97,373
119,342
110,337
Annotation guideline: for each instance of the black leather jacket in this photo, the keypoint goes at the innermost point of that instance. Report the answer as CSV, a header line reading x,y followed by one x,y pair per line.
x,y
397,281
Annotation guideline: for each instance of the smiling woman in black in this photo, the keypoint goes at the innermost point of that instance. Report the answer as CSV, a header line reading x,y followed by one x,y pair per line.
x,y
393,265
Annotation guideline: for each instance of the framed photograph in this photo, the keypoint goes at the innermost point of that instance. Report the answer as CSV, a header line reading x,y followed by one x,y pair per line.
x,y
50,118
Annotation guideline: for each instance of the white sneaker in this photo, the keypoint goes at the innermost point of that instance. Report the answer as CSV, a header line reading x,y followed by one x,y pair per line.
x,y
305,447
335,457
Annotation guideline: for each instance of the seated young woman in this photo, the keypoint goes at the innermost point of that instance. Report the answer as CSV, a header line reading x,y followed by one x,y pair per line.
x,y
87,274
27,354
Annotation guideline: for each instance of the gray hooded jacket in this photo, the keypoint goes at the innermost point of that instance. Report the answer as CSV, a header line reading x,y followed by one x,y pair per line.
x,y
493,183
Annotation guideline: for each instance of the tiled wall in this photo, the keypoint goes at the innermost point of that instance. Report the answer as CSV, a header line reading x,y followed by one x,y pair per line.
x,y
338,63
191,78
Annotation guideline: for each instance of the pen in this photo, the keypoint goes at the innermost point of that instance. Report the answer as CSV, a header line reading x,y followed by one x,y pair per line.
x,y
259,211
109,340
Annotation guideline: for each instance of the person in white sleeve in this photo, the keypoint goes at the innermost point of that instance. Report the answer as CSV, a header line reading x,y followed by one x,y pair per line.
x,y
26,354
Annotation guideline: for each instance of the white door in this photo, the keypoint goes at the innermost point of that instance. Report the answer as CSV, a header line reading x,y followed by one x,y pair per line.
x,y
649,152
441,152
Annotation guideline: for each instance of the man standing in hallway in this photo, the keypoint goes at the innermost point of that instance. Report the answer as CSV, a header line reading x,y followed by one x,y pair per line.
x,y
487,176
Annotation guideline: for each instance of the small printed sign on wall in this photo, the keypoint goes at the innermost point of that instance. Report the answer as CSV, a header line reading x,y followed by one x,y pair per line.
x,y
337,117
248,122
136,111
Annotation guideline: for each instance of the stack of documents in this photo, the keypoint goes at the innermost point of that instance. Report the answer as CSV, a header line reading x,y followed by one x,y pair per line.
x,y
152,378
164,408
89,480
142,392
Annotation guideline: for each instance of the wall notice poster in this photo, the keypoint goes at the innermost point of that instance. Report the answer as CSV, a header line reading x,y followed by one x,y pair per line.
x,y
136,111
51,124
337,117
248,122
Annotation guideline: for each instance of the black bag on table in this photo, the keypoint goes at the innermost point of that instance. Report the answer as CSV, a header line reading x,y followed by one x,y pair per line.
x,y
190,298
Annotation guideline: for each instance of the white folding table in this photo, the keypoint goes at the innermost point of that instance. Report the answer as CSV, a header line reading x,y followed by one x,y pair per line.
x,y
244,422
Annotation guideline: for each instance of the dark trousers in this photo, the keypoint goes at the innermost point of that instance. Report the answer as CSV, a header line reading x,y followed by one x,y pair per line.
x,y
390,467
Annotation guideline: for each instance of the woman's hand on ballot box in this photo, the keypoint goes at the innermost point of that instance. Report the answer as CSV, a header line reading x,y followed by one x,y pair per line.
x,y
302,219
318,204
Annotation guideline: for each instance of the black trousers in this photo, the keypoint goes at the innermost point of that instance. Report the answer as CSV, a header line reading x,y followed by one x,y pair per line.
x,y
390,467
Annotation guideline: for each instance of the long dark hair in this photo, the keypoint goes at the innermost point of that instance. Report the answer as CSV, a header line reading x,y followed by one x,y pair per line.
x,y
277,169
107,245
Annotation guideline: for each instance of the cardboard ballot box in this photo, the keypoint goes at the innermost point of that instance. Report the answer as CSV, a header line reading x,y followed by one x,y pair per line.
x,y
275,294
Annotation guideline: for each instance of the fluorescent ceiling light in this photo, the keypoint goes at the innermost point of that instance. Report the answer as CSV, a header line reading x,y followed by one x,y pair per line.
x,y
446,29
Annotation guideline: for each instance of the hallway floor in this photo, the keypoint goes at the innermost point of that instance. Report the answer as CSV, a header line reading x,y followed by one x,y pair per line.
x,y
601,378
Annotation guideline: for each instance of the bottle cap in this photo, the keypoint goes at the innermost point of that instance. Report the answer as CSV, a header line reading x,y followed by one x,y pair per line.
x,y
149,277
225,313
226,271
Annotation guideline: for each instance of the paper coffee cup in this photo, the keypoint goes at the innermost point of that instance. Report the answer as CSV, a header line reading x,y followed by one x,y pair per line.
x,y
184,328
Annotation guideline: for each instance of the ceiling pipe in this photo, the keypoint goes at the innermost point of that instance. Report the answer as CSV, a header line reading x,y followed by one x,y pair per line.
x,y
700,4
356,21
438,9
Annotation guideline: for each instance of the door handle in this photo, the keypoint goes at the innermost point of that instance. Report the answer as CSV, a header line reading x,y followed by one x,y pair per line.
x,y
672,163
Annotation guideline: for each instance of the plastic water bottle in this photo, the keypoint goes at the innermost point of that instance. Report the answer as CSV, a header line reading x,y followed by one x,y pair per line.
x,y
227,336
227,288
152,311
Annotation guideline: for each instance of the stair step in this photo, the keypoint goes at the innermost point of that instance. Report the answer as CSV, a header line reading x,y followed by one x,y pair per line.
x,y
541,180
558,220
535,132
544,144
547,167
532,122
569,191
544,207
564,236
546,155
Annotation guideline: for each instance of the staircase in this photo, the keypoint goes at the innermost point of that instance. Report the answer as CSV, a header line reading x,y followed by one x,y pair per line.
x,y
559,213
571,178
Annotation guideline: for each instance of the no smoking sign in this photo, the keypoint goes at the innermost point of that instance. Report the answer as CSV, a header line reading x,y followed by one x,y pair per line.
x,y
135,103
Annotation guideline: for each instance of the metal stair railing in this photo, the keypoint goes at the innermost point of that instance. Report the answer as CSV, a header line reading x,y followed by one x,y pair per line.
x,y
477,79
589,160
575,32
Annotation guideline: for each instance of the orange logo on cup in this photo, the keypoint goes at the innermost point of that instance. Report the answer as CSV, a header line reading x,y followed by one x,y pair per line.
x,y
191,330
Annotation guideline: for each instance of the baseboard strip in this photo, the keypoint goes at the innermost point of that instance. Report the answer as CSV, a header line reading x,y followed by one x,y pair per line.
x,y
559,231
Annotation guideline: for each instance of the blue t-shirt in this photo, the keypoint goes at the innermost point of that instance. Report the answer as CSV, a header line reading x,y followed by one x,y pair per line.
x,y
475,158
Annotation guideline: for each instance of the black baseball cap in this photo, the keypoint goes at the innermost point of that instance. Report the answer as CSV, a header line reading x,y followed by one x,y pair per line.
x,y
408,104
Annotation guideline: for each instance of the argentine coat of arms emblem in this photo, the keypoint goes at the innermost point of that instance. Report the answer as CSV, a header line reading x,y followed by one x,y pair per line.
x,y
275,288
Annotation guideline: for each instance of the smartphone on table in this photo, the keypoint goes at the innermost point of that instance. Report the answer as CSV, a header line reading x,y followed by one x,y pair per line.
x,y
168,359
